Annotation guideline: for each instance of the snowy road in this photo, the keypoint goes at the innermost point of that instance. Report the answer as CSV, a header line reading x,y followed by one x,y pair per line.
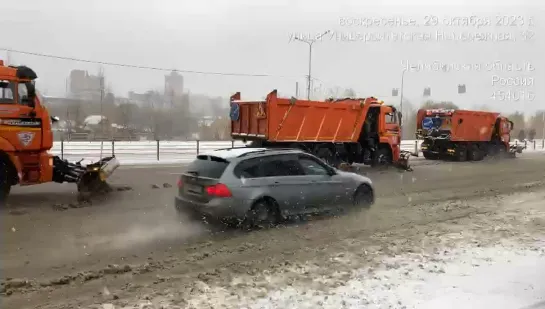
x,y
488,263
130,248
465,269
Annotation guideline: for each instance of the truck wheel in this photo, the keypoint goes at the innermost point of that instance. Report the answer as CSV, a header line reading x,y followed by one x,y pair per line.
x,y
461,154
5,185
326,155
503,152
299,146
474,153
382,157
430,156
496,151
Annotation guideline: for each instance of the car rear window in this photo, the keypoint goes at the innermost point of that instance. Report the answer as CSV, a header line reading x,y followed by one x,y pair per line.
x,y
208,166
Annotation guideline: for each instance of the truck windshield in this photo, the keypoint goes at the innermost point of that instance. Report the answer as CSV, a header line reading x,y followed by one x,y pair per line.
x,y
22,94
7,92
438,123
391,118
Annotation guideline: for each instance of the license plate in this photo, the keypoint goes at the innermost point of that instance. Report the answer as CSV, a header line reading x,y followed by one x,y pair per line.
x,y
193,188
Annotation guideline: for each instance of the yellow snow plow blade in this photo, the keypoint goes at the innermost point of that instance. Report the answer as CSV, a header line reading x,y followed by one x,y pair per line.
x,y
93,180
403,161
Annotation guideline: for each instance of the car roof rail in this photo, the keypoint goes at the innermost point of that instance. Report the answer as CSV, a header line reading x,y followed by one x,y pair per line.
x,y
229,148
270,150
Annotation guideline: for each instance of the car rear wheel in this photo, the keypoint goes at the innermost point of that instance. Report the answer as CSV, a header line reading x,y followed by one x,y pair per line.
x,y
363,197
261,215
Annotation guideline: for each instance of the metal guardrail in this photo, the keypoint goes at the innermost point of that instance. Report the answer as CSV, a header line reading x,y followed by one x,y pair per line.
x,y
137,151
176,151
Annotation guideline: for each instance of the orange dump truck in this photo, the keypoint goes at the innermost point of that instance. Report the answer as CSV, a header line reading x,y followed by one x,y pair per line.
x,y
463,134
338,131
26,137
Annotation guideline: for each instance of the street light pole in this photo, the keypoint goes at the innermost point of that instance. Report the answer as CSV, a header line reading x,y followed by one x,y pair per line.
x,y
543,133
309,68
310,42
401,103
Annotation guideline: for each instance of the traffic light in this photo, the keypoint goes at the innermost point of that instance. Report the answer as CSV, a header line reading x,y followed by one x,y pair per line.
x,y
395,92
427,92
462,88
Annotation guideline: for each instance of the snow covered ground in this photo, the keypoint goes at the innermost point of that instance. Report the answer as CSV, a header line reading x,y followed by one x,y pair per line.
x,y
495,259
168,152
503,276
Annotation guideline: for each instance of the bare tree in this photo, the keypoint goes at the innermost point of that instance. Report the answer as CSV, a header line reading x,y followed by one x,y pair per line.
x,y
334,92
125,114
482,108
518,120
537,122
349,93
430,104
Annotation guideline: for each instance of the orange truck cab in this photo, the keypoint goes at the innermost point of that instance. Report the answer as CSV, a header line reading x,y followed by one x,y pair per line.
x,y
26,136
463,134
338,131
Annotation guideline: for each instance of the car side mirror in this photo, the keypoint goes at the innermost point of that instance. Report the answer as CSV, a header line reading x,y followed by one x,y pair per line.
x,y
331,171
54,119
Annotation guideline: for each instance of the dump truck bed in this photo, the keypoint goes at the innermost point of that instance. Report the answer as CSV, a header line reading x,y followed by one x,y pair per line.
x,y
466,125
290,120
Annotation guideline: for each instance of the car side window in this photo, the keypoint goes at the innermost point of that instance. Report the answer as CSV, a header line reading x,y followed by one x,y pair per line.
x,y
277,166
312,167
249,168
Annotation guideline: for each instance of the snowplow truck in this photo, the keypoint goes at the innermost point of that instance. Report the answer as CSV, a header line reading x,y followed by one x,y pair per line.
x,y
464,135
26,137
343,131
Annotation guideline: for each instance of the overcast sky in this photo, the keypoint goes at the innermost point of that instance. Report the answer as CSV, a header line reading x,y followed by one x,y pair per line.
x,y
254,37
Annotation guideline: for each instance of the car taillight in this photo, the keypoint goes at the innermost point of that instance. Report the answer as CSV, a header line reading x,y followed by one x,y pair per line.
x,y
218,190
180,183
